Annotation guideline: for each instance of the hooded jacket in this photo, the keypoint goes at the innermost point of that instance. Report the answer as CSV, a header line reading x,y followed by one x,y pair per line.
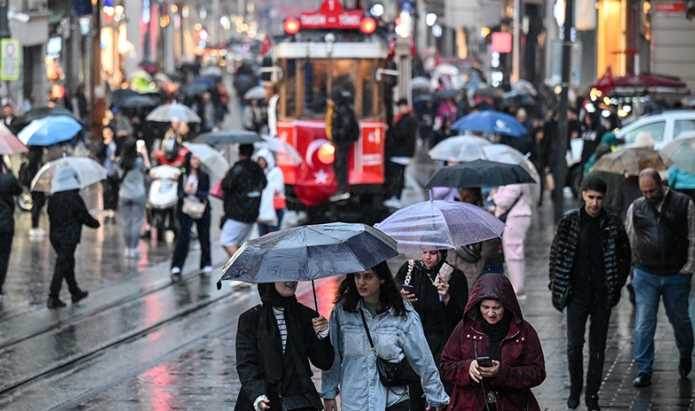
x,y
67,213
275,187
522,366
9,187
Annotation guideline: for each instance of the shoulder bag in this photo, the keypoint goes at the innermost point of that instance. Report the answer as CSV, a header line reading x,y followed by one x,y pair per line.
x,y
391,374
193,207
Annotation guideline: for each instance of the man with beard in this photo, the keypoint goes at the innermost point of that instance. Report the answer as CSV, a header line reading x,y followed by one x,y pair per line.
x,y
661,227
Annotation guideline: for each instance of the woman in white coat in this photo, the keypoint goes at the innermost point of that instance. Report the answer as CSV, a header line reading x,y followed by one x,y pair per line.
x,y
512,205
273,196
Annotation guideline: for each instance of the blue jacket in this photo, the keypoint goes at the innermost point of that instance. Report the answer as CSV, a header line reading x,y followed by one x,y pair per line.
x,y
354,373
679,179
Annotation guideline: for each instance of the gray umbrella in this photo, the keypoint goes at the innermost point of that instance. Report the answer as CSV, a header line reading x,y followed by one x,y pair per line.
x,y
221,138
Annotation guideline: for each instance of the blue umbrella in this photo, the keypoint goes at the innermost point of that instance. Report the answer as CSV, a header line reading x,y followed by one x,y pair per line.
x,y
490,122
49,130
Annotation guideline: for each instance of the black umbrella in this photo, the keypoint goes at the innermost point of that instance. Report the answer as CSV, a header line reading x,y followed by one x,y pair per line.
x,y
308,253
137,102
117,96
479,173
221,138
195,88
448,93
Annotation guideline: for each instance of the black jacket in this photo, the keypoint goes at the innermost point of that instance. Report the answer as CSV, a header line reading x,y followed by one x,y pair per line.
x,y
662,237
242,187
203,189
259,355
403,136
438,320
9,187
346,128
67,213
616,256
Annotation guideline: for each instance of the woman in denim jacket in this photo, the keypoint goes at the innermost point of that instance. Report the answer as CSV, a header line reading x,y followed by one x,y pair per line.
x,y
397,333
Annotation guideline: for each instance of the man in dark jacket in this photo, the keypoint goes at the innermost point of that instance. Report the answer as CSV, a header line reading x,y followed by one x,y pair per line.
x,y
589,263
67,213
400,149
345,130
661,226
9,188
242,187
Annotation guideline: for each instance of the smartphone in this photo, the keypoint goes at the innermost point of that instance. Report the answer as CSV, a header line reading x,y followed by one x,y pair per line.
x,y
140,145
485,362
408,288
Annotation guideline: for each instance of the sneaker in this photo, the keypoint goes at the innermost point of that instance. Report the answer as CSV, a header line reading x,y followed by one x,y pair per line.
x,y
175,271
340,196
684,366
642,380
393,202
592,403
54,302
76,298
207,270
573,402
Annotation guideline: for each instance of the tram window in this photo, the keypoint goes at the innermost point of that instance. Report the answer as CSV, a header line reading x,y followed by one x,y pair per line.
x,y
290,85
318,86
366,76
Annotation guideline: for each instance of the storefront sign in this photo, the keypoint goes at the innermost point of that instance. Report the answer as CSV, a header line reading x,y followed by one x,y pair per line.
x,y
673,7
10,59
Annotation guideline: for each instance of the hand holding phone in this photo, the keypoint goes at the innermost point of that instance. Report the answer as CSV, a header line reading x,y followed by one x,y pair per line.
x,y
485,362
408,293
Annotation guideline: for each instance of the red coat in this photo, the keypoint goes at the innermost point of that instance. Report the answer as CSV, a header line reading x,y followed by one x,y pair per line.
x,y
521,357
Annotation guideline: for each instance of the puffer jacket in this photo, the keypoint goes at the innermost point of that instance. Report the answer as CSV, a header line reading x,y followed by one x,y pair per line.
x,y
616,256
522,366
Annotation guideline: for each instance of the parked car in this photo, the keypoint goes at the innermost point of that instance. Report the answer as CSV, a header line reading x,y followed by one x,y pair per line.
x,y
662,128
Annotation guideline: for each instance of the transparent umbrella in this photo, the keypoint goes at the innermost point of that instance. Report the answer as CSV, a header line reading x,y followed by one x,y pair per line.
x,y
459,148
213,161
437,225
682,152
68,173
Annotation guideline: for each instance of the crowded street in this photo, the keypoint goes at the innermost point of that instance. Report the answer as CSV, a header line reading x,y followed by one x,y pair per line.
x,y
412,205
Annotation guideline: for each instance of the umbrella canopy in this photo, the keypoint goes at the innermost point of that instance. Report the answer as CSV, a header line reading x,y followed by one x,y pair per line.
x,y
479,173
682,152
490,122
50,130
213,161
309,253
38,113
220,138
9,143
630,161
420,83
195,88
117,96
459,148
256,93
211,71
136,102
68,173
282,149
438,225
506,154
171,112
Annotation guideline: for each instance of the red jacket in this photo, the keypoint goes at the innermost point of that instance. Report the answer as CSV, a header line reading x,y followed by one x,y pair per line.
x,y
521,357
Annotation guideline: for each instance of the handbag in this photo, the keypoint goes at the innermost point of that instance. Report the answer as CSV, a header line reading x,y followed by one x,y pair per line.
x,y
391,374
193,207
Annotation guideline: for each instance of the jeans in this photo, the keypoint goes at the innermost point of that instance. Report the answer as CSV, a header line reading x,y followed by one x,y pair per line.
x,y
64,269
577,313
132,216
340,166
5,249
183,239
264,229
675,289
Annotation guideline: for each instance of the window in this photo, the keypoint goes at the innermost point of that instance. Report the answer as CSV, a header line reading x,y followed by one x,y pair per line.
x,y
682,126
654,130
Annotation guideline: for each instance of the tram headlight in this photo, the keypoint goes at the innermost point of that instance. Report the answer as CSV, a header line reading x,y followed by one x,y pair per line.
x,y
326,153
368,25
291,26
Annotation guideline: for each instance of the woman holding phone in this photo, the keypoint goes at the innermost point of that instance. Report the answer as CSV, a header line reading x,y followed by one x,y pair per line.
x,y
438,293
494,357
132,196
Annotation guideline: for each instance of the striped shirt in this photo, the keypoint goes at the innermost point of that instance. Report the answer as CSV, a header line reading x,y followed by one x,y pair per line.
x,y
282,326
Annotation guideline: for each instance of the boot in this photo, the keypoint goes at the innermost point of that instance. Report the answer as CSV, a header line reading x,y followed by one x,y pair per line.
x,y
54,302
79,296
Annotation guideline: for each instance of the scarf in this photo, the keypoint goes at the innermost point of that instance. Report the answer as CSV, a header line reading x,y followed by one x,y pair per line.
x,y
496,333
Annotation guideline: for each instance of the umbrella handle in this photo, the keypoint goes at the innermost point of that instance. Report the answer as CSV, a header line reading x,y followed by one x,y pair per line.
x,y
430,193
316,302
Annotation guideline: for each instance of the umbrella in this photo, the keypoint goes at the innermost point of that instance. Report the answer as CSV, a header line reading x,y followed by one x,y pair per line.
x,y
479,173
420,83
459,148
211,71
506,154
682,152
171,112
195,88
9,143
524,87
117,96
213,161
38,113
438,225
68,173
256,93
283,149
219,138
308,253
445,94
490,122
136,102
49,130
630,161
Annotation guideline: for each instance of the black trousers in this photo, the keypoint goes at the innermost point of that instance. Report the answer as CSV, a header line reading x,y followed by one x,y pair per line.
x,y
183,239
64,270
38,200
396,179
340,166
577,314
5,249
110,188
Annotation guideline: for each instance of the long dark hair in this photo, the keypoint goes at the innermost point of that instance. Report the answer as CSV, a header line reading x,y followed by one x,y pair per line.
x,y
129,154
388,291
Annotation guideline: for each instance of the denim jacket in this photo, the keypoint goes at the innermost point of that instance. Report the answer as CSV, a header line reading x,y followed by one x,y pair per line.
x,y
354,373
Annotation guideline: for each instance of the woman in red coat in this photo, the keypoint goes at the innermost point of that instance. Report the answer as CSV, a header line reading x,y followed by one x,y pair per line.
x,y
493,327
